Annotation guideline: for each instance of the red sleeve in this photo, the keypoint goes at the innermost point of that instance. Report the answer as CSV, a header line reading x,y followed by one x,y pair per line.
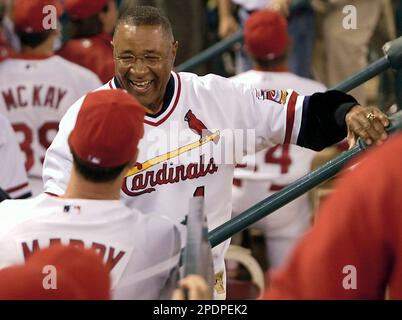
x,y
358,227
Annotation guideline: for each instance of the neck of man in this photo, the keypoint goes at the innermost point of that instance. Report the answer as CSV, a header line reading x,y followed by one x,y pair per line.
x,y
80,188
283,67
154,108
46,48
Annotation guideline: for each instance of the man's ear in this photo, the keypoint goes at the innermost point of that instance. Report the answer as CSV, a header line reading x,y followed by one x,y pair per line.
x,y
134,160
175,46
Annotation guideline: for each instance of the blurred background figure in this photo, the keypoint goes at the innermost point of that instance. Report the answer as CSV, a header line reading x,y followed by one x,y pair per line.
x,y
36,86
343,47
353,251
301,20
57,273
5,47
74,273
13,177
267,43
347,27
90,29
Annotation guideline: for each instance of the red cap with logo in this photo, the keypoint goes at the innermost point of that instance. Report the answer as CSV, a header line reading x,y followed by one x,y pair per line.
x,y
82,9
109,125
58,272
266,34
35,16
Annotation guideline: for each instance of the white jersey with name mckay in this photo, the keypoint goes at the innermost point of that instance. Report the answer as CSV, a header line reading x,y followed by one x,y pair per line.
x,y
34,95
185,146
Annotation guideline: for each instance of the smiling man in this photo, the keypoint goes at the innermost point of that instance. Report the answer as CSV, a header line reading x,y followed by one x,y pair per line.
x,y
144,58
202,108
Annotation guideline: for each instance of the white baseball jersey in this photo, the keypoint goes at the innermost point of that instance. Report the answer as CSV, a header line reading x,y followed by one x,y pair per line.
x,y
13,177
34,95
252,4
272,169
127,240
188,145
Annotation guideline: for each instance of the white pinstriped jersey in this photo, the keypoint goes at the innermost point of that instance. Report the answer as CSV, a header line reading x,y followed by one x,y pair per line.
x,y
274,168
34,95
123,237
199,110
13,177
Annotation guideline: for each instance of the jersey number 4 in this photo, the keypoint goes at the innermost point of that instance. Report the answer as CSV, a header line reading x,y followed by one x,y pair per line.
x,y
26,144
284,160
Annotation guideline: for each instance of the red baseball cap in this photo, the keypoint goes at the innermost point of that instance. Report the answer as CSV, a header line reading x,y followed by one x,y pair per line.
x,y
31,16
266,34
108,128
82,9
58,272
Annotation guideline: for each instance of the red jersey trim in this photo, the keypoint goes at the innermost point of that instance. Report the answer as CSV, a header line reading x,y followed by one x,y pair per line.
x,y
16,188
170,109
154,122
53,195
290,117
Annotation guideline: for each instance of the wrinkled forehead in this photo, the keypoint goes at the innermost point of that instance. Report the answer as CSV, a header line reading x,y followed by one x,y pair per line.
x,y
143,37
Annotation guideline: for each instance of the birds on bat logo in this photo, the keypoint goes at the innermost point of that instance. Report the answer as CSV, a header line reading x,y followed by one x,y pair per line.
x,y
278,96
140,179
198,127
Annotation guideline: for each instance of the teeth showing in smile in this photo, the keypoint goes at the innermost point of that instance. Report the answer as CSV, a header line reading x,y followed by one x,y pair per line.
x,y
141,84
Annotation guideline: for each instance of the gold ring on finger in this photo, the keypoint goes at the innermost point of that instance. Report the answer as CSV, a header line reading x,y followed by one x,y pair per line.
x,y
370,116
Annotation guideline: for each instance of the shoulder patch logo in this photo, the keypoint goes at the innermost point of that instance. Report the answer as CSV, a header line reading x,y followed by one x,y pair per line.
x,y
278,96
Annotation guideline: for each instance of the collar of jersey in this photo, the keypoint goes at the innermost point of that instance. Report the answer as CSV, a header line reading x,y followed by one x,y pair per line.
x,y
30,56
170,100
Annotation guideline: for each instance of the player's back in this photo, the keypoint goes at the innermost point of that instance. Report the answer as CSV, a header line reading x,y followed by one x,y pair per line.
x,y
34,95
141,250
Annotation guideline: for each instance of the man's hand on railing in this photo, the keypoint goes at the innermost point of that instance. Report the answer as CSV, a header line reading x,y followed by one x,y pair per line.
x,y
367,123
192,287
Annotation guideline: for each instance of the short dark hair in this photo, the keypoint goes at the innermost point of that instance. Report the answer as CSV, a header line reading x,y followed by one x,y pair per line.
x,y
34,40
96,174
145,16
86,28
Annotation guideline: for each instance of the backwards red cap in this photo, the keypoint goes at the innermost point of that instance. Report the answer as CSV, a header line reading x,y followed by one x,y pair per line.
x,y
32,16
82,9
108,128
77,274
266,34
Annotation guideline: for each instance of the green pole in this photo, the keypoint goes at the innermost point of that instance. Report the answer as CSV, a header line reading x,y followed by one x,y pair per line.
x,y
393,58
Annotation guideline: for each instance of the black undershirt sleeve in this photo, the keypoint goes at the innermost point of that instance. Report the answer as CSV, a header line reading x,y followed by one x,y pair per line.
x,y
323,119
